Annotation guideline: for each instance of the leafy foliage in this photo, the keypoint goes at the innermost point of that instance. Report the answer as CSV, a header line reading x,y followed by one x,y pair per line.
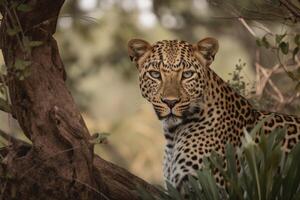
x,y
237,80
99,138
286,45
266,172
21,68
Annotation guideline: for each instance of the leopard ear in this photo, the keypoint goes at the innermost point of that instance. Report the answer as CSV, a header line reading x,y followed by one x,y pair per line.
x,y
206,50
137,48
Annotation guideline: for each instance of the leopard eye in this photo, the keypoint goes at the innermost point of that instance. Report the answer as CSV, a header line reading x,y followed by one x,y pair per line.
x,y
155,74
187,74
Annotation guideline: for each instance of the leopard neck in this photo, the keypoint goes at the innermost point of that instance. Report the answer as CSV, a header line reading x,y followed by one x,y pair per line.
x,y
169,127
218,99
219,94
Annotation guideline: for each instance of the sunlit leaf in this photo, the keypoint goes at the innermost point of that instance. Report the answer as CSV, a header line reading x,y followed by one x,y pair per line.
x,y
278,38
21,64
99,138
13,31
35,43
265,42
24,8
4,106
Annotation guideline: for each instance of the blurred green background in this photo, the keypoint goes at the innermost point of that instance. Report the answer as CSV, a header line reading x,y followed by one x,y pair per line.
x,y
92,36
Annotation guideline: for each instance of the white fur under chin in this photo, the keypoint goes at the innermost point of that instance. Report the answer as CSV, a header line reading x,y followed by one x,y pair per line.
x,y
170,122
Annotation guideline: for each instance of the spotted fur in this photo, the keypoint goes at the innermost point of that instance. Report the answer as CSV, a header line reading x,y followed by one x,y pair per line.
x,y
207,113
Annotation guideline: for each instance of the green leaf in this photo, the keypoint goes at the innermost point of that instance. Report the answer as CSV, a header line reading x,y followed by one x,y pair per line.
x,y
173,192
292,76
26,72
208,184
297,88
258,42
26,42
278,38
292,179
21,64
258,126
196,188
4,106
232,172
216,161
284,47
13,31
31,43
295,51
35,43
231,162
99,138
297,39
265,42
275,2
24,8
145,195
14,4
253,168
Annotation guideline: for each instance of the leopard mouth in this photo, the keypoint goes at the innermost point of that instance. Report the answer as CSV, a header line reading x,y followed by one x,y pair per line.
x,y
167,113
172,115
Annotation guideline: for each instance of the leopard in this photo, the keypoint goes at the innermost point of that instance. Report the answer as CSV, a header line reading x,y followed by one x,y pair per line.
x,y
199,111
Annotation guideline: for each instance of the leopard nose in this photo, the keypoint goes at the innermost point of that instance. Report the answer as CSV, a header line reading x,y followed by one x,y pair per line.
x,y
170,102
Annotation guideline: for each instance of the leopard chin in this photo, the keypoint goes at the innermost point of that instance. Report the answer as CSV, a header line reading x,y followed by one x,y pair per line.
x,y
171,121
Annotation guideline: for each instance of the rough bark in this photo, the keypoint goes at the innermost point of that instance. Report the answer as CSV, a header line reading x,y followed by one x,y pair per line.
x,y
60,163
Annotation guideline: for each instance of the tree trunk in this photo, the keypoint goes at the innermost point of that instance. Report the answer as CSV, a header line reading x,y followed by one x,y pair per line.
x,y
60,163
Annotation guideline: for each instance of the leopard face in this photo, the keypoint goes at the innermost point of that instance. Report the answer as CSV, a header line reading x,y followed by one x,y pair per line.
x,y
172,73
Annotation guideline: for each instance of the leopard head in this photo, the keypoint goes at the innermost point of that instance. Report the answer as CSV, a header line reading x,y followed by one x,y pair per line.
x,y
172,73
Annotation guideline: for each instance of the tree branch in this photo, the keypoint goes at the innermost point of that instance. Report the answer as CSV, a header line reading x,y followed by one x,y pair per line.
x,y
4,106
294,10
61,155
